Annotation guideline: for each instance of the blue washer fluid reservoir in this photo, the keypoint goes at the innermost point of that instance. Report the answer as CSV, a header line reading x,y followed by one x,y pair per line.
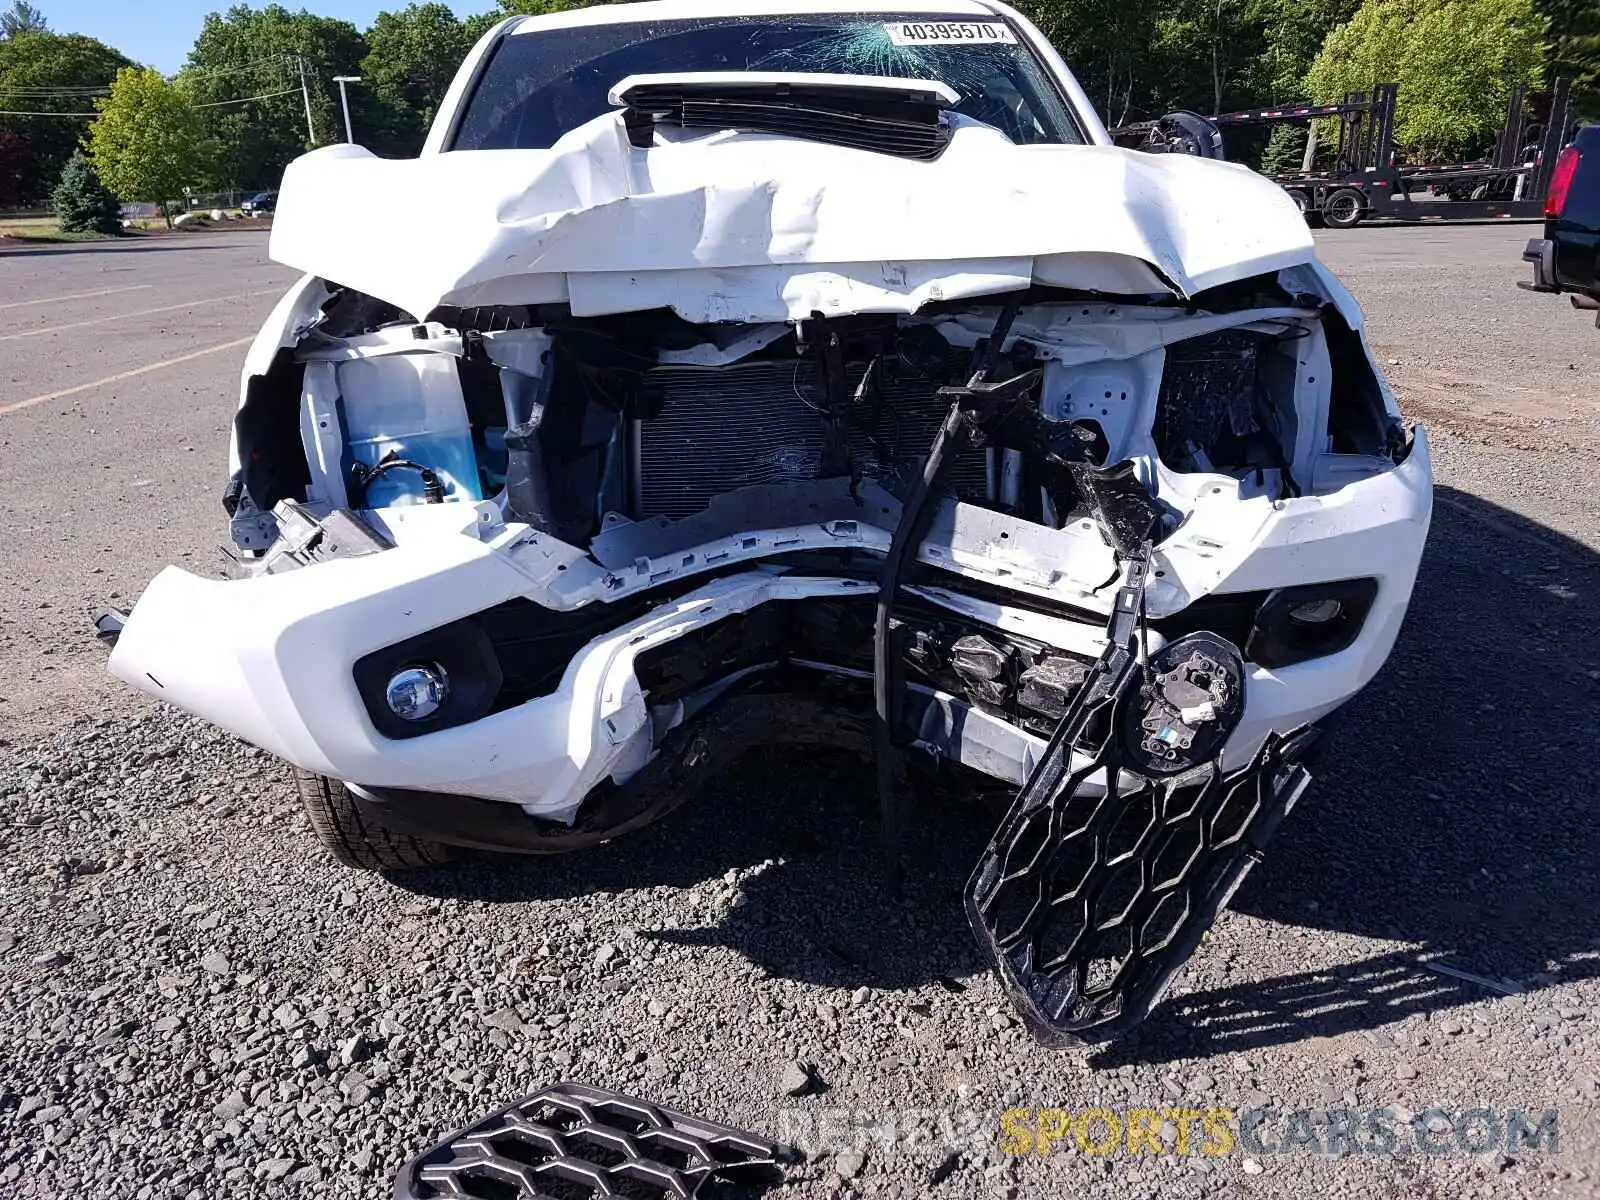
x,y
409,404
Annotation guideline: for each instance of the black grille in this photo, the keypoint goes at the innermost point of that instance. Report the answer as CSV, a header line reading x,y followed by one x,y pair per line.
x,y
904,125
571,1142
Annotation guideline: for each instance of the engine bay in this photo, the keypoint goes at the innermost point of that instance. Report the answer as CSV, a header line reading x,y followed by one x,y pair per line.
x,y
580,426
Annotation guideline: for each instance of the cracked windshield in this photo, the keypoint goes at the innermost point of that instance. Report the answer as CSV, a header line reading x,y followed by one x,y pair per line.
x,y
542,85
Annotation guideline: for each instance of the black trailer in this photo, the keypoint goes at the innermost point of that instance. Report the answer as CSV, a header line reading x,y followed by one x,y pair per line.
x,y
1369,179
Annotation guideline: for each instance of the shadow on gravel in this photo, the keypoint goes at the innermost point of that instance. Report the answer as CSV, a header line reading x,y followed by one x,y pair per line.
x,y
818,910
1456,811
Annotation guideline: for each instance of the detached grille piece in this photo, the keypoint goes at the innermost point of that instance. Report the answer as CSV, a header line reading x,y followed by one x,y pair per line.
x,y
1088,899
571,1142
765,421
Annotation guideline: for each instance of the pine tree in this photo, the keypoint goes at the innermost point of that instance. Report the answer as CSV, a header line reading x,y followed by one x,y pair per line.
x,y
1286,150
83,204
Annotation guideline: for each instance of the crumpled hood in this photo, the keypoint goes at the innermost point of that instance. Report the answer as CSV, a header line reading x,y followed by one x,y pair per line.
x,y
733,226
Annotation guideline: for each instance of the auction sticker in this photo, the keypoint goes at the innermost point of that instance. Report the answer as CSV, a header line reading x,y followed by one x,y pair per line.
x,y
950,33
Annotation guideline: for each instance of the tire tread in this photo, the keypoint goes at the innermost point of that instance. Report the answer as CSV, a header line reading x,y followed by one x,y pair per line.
x,y
355,842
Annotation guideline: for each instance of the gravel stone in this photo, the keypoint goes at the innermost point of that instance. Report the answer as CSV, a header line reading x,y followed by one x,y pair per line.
x,y
356,1048
275,1168
231,1106
795,1079
506,1019
848,1163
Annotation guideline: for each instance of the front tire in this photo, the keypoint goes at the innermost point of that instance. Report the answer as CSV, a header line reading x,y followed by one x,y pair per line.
x,y
355,841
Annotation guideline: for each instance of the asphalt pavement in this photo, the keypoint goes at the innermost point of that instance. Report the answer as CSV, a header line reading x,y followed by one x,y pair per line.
x,y
119,369
200,1005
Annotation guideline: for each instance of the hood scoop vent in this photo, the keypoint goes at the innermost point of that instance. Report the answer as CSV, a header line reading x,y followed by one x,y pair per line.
x,y
906,118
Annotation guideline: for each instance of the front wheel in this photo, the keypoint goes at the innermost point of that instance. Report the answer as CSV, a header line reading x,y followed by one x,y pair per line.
x,y
1344,209
355,841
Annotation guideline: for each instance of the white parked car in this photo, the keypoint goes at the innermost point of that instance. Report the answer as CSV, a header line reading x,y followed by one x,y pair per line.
x,y
745,372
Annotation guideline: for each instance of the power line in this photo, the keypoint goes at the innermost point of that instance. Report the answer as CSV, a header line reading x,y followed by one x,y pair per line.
x,y
80,90
212,104
259,64
246,99
49,91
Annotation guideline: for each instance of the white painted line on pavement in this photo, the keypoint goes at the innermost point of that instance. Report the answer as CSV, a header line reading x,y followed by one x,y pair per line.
x,y
117,378
134,287
143,312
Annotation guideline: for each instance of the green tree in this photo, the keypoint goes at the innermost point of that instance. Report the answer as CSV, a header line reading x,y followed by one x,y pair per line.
x,y
149,141
1293,32
246,66
1285,150
1143,60
535,8
51,73
16,168
83,204
412,57
1455,62
22,17
1575,49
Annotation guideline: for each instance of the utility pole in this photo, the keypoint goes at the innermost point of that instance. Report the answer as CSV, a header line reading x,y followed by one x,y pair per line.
x,y
344,102
305,94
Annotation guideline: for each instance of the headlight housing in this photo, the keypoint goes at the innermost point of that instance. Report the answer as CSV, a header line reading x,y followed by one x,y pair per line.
x,y
1297,624
1189,704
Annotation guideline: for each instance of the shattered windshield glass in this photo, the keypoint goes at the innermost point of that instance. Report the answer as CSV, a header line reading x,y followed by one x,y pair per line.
x,y
539,86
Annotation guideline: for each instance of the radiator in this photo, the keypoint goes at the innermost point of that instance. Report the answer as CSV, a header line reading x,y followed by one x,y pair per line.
x,y
762,422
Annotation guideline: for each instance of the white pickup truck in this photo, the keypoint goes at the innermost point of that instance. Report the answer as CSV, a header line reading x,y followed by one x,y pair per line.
x,y
738,373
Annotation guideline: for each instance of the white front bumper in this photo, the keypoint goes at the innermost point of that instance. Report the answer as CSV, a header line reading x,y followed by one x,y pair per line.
x,y
271,658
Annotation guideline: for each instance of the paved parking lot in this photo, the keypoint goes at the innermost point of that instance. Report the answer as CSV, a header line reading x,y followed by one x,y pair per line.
x,y
199,1005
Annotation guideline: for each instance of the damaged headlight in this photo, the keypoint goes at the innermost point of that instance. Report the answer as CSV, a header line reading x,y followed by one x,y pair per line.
x,y
1189,704
1297,624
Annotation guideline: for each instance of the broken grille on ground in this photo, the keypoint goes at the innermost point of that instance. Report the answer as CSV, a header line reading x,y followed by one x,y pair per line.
x,y
571,1141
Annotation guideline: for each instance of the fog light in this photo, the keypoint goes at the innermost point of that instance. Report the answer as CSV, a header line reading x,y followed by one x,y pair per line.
x,y
416,693
1297,624
1316,612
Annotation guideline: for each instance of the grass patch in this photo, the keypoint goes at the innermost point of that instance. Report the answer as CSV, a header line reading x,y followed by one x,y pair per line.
x,y
45,229
28,227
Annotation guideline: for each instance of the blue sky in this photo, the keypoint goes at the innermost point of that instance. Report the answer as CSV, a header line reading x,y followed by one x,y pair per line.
x,y
159,33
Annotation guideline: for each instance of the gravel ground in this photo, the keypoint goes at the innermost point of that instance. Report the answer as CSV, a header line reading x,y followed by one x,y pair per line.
x,y
202,1005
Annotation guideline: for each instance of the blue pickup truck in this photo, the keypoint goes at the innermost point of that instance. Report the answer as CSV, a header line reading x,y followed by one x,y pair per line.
x,y
1567,257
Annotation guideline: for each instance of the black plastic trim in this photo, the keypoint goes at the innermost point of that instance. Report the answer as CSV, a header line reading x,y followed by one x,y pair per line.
x,y
1275,641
